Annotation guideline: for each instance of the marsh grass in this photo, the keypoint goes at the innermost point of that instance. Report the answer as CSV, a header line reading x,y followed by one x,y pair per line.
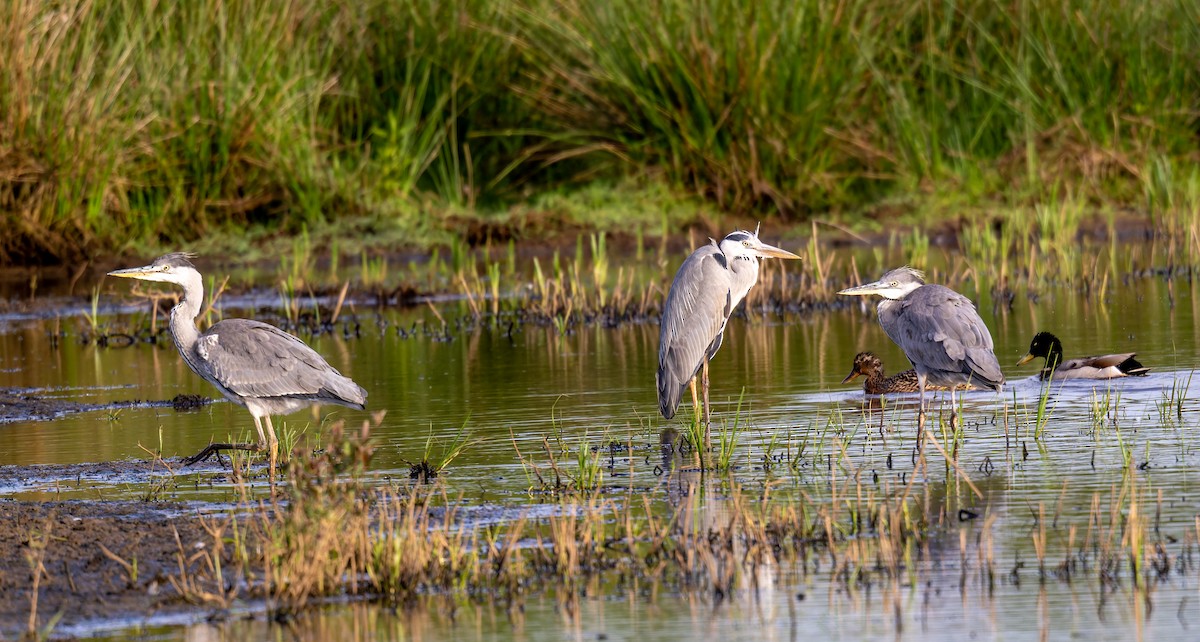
x,y
727,436
1043,411
1170,406
1105,407
39,539
335,531
128,124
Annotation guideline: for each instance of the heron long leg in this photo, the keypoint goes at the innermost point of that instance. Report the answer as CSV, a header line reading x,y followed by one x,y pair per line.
x,y
953,409
707,411
695,400
273,449
262,437
920,407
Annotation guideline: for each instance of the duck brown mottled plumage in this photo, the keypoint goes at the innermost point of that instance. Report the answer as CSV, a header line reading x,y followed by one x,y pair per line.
x,y
869,366
1108,366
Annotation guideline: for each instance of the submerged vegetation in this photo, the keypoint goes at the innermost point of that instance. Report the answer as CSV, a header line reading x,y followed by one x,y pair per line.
x,y
336,532
128,126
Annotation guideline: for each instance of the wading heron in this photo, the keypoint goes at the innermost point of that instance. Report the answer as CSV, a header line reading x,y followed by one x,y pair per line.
x,y
1108,366
253,364
709,285
939,331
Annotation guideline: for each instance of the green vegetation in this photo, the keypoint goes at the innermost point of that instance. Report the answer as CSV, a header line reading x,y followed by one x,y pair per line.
x,y
130,126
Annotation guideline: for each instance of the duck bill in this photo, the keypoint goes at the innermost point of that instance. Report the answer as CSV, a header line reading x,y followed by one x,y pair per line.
x,y
1026,359
851,377
770,251
868,289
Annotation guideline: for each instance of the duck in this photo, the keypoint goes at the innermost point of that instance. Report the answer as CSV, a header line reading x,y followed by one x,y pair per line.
x,y
1108,366
866,364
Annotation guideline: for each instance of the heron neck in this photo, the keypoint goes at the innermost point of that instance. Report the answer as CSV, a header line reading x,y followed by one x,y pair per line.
x,y
183,321
745,276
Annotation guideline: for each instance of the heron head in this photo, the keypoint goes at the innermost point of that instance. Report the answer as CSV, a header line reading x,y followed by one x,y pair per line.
x,y
741,243
896,284
168,268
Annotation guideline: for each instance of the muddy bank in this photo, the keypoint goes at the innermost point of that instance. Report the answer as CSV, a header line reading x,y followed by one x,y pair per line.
x,y
77,581
22,405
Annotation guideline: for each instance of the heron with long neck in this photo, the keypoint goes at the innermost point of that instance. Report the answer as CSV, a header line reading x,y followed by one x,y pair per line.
x,y
709,285
253,364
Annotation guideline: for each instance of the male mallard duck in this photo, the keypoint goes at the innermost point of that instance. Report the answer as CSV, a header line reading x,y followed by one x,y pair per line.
x,y
1109,366
868,365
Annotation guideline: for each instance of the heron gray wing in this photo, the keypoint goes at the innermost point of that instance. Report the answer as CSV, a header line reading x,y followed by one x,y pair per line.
x,y
693,319
940,330
257,360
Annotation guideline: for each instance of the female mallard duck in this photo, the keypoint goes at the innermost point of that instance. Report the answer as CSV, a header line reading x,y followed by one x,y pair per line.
x,y
870,366
1108,366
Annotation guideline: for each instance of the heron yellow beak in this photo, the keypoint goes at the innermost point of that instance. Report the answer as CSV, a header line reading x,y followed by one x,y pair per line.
x,y
771,251
866,289
1026,359
144,273
134,273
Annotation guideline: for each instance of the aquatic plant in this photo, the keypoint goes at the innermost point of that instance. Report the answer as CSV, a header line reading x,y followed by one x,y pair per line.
x,y
727,436
439,454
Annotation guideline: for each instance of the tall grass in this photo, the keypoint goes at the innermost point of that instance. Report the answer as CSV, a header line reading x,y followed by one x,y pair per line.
x,y
129,123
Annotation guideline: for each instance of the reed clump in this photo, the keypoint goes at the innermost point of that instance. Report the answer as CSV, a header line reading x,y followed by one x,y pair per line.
x,y
125,124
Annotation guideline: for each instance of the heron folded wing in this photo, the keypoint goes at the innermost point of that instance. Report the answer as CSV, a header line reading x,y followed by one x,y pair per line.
x,y
693,318
941,329
258,360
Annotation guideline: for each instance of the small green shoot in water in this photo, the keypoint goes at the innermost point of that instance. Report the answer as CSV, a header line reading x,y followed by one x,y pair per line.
x,y
434,462
1170,407
1043,414
727,438
589,470
1104,408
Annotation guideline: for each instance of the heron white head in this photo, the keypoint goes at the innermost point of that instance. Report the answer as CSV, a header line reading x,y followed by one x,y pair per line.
x,y
168,268
894,285
743,244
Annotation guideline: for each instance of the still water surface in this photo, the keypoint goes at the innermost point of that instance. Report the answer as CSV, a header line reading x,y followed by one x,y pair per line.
x,y
521,386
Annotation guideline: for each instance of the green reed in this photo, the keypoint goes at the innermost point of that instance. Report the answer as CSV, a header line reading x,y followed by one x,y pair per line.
x,y
127,124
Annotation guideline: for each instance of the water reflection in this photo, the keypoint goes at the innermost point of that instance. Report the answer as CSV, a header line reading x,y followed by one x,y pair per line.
x,y
1095,445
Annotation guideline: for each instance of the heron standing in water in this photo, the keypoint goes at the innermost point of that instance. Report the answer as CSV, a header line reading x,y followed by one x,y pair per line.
x,y
709,285
939,331
253,364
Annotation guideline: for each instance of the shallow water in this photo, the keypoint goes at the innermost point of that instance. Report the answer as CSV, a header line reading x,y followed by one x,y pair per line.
x,y
529,385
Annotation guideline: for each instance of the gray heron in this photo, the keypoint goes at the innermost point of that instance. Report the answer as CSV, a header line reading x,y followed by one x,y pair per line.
x,y
876,382
253,364
939,331
709,285
1108,366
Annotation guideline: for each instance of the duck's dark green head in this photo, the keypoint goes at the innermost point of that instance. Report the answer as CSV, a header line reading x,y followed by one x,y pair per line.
x,y
1044,344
